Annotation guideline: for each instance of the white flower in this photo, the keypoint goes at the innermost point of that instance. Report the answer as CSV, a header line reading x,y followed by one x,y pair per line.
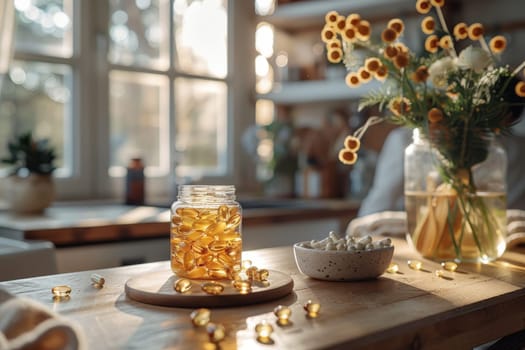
x,y
474,58
440,69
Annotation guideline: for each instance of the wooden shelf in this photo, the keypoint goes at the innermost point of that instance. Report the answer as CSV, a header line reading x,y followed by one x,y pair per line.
x,y
303,14
316,91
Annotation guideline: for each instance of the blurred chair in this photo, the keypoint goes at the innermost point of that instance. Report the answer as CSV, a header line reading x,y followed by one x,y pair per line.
x,y
21,259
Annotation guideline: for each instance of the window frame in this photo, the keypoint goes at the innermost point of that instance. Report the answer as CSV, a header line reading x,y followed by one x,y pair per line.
x,y
89,128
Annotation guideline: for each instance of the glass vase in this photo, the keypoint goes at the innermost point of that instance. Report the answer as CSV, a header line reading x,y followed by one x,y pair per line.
x,y
459,216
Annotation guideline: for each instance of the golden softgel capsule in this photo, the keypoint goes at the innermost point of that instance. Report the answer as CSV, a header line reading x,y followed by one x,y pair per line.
x,y
182,285
243,287
392,268
264,331
283,314
216,332
312,308
200,317
213,288
415,264
61,291
206,241
449,266
98,280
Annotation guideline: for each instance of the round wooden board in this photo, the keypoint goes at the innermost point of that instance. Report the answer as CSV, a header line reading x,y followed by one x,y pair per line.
x,y
157,289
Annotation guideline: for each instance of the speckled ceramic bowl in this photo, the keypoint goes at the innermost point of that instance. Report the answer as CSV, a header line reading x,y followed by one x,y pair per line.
x,y
333,265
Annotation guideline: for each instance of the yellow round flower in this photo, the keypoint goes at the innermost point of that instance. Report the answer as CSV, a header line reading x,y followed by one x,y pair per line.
x,y
364,30
475,31
390,52
520,89
382,73
372,64
445,42
349,34
397,25
460,31
328,34
428,24
352,80
399,106
353,20
347,157
340,24
401,48
431,43
435,115
334,55
336,43
437,3
331,17
364,75
401,60
420,75
389,35
498,44
352,143
423,6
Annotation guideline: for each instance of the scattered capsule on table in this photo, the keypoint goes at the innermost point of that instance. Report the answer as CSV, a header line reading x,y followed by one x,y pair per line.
x,y
449,266
182,285
246,264
242,286
283,314
264,331
251,272
262,275
415,264
392,268
61,291
98,280
439,273
312,308
213,288
200,317
216,332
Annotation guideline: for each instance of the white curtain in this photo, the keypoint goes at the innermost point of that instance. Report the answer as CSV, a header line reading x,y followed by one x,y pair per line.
x,y
7,26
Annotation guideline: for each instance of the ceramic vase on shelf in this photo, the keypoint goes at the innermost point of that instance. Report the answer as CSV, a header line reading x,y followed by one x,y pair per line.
x,y
457,216
31,194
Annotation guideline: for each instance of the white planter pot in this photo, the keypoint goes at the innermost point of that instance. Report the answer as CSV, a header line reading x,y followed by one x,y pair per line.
x,y
30,194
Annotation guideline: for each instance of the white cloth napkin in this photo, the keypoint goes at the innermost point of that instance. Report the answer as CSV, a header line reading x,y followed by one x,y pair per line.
x,y
26,324
385,223
393,223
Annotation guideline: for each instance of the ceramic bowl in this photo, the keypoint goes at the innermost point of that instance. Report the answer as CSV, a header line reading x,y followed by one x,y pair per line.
x,y
334,265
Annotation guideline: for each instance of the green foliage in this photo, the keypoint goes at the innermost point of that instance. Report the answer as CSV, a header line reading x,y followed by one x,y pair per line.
x,y
37,156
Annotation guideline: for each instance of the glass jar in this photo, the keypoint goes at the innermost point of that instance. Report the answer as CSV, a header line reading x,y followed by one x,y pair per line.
x,y
463,218
206,239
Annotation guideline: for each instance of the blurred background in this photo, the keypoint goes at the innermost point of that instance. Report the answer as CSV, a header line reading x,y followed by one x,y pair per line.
x,y
204,91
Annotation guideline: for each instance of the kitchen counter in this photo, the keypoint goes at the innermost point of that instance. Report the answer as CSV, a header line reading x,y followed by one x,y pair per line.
x,y
73,224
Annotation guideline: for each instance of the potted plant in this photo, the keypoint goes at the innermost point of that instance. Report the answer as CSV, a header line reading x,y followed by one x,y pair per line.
x,y
30,187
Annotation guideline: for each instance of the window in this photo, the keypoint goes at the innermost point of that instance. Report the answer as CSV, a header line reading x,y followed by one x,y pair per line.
x,y
110,80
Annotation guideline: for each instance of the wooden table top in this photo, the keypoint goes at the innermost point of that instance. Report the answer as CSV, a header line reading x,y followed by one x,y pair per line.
x,y
411,309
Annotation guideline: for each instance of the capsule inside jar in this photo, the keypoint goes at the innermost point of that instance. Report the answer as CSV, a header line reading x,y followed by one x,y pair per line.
x,y
206,241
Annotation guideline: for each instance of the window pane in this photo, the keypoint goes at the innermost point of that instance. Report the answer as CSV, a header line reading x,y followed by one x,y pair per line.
x,y
138,32
138,121
201,123
44,27
201,36
36,97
